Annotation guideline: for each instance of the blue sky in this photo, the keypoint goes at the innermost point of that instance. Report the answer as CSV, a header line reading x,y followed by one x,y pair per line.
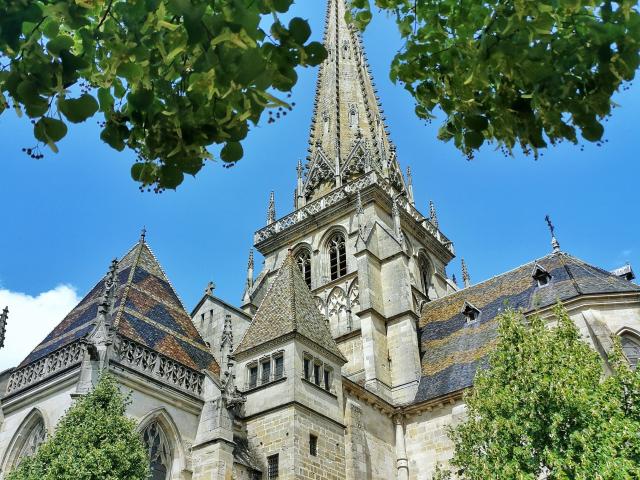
x,y
65,216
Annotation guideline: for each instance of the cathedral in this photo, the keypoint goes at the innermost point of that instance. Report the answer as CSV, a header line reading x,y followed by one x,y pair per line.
x,y
351,349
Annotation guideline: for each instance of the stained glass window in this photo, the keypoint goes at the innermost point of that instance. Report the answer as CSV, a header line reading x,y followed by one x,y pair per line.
x,y
159,451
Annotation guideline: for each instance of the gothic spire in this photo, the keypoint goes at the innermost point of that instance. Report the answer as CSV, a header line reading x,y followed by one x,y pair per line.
x,y
271,210
348,135
410,186
3,325
555,245
466,279
433,217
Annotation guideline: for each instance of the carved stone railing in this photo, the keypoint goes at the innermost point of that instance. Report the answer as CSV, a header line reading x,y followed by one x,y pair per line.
x,y
45,367
341,193
155,365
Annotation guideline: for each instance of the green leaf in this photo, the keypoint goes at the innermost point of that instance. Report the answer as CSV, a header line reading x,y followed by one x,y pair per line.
x,y
232,152
78,109
593,131
49,129
60,43
473,139
300,30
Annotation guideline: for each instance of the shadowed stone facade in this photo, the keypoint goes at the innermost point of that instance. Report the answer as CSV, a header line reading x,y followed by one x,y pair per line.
x,y
351,349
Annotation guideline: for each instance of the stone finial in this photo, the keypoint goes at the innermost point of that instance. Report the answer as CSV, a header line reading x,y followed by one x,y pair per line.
x,y
271,211
3,325
454,279
433,217
466,279
143,234
555,245
109,288
210,288
299,169
410,186
250,267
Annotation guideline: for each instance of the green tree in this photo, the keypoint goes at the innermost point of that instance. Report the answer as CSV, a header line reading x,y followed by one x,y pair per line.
x,y
174,77
93,441
171,77
516,72
543,409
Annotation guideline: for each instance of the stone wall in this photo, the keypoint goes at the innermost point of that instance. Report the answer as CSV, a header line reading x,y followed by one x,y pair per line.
x,y
369,443
329,463
426,439
272,433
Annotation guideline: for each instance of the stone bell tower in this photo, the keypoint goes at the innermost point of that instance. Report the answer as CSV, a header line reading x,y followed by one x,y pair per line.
x,y
370,258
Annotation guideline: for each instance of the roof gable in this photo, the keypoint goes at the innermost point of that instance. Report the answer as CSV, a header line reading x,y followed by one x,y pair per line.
x,y
146,310
288,307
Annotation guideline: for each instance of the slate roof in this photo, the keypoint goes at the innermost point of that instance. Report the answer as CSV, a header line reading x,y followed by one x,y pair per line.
x,y
148,311
453,349
288,307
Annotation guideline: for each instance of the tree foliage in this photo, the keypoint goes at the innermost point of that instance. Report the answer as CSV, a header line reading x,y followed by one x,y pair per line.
x,y
171,77
516,72
93,441
543,410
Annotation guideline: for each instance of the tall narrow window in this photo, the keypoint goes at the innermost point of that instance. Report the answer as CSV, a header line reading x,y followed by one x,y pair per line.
x,y
279,371
327,379
425,273
316,374
253,376
307,368
631,349
337,256
159,453
266,371
313,445
304,264
272,466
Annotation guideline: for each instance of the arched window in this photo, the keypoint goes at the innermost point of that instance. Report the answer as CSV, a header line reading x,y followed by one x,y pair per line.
x,y
337,256
304,264
425,273
34,438
631,348
159,452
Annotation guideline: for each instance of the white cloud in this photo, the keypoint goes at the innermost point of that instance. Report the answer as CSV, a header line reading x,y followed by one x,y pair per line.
x,y
31,318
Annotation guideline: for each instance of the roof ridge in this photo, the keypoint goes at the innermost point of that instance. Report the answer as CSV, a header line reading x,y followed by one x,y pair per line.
x,y
495,276
165,276
127,285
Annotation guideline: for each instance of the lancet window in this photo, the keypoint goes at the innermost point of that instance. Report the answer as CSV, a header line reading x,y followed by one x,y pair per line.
x,y
34,439
157,445
337,256
304,264
425,273
631,349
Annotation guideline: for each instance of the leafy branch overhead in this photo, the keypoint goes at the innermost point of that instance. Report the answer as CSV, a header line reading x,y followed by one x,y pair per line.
x,y
171,77
515,72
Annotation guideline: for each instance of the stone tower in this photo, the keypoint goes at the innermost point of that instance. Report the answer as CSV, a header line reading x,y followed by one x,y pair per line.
x,y
369,257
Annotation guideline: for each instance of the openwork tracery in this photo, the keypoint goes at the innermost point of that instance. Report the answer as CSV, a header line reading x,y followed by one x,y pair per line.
x,y
157,445
631,348
337,256
303,258
34,438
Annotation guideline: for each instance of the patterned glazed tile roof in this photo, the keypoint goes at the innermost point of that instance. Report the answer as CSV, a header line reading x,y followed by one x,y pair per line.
x,y
453,348
288,307
147,310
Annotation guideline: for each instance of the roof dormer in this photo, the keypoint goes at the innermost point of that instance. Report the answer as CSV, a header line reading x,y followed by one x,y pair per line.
x,y
541,275
470,312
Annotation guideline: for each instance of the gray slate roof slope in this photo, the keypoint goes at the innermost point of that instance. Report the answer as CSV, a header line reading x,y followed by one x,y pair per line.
x,y
452,349
288,307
